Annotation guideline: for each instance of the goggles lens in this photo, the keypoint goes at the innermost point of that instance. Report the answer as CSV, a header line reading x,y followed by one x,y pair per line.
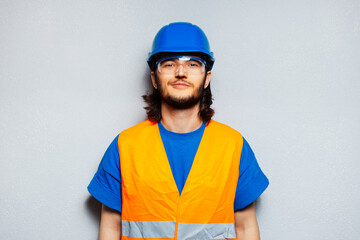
x,y
191,65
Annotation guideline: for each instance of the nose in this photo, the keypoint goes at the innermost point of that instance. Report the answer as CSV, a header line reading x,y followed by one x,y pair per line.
x,y
180,71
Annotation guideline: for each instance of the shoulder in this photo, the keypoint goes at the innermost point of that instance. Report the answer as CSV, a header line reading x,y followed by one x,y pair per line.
x,y
223,130
138,131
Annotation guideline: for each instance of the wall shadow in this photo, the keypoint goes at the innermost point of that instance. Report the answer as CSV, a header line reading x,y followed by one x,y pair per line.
x,y
94,208
258,204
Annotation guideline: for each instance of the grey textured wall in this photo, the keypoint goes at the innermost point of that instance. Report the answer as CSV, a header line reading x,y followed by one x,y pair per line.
x,y
286,75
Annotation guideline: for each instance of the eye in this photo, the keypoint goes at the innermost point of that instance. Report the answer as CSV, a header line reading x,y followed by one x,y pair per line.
x,y
167,64
194,64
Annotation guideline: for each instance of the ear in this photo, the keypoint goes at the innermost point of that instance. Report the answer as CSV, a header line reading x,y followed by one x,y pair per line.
x,y
153,80
207,79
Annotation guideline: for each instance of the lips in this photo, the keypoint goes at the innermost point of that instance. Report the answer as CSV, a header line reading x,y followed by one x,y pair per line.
x,y
180,85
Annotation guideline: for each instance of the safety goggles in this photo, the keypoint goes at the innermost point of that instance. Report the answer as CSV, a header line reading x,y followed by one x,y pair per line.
x,y
171,65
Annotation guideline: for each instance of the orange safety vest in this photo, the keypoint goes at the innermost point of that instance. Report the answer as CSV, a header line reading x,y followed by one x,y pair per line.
x,y
152,207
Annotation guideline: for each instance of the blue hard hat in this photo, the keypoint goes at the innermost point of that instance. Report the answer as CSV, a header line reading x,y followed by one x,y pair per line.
x,y
181,37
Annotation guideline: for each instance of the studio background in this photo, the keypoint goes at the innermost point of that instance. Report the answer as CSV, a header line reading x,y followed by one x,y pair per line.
x,y
286,76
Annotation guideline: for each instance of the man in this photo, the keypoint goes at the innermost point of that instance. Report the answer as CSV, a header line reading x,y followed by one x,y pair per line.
x,y
180,174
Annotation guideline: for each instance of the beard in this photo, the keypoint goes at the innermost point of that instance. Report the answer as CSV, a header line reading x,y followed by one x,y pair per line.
x,y
181,102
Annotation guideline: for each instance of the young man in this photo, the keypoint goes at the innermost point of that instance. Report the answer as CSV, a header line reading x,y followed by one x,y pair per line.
x,y
179,175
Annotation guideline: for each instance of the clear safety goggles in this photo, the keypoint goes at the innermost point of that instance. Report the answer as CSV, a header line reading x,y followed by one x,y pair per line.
x,y
191,65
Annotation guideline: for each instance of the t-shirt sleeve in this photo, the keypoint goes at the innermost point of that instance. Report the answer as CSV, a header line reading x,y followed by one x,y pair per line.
x,y
252,181
106,183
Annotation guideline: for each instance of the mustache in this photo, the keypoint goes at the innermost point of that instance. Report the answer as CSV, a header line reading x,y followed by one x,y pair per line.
x,y
181,81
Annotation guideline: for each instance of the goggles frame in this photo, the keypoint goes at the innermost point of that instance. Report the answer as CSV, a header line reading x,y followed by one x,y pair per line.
x,y
181,58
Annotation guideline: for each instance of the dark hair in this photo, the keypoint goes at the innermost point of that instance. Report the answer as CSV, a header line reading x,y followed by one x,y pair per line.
x,y
153,100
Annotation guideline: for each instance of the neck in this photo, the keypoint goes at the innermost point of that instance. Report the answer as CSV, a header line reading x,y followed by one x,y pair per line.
x,y
180,120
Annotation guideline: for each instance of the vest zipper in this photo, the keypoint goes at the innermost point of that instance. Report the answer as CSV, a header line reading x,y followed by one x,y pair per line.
x,y
177,219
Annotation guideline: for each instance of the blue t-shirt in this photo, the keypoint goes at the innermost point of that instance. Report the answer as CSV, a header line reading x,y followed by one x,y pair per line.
x,y
106,184
180,150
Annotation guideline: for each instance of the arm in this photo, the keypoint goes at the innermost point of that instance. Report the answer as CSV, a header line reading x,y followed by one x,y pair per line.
x,y
110,225
246,226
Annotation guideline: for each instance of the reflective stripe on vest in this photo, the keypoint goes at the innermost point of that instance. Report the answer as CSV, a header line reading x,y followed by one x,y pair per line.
x,y
163,229
189,231
186,231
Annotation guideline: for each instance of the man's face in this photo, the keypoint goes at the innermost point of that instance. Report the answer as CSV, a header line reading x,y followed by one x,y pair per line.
x,y
181,88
